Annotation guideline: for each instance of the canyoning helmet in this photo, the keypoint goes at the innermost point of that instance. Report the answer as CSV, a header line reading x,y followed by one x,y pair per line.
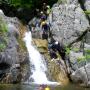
x,y
41,12
56,42
48,6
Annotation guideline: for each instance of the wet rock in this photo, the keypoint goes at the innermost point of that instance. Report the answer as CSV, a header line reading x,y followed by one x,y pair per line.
x,y
42,45
14,53
57,71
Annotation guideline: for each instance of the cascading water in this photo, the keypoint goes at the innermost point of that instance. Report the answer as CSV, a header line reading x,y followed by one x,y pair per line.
x,y
36,60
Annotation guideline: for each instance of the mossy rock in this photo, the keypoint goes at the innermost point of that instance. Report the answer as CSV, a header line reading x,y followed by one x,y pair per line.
x,y
76,49
22,44
87,51
3,34
87,56
42,50
42,45
79,59
87,12
2,46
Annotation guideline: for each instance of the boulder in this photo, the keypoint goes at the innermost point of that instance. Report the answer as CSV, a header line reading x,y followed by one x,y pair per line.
x,y
42,45
82,75
68,21
13,53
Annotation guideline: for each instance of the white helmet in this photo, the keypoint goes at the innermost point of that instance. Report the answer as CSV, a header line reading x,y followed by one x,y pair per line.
x,y
48,6
41,12
56,42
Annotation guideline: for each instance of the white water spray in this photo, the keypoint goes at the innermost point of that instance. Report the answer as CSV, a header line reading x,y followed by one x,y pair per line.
x,y
36,60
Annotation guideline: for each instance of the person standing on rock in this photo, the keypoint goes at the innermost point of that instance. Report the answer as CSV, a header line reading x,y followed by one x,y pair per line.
x,y
44,8
45,29
42,16
48,10
38,13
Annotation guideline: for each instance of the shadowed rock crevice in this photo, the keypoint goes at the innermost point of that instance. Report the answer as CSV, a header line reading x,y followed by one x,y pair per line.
x,y
4,66
82,4
3,69
80,37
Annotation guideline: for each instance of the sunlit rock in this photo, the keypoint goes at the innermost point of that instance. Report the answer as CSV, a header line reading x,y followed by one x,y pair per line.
x,y
73,20
1,12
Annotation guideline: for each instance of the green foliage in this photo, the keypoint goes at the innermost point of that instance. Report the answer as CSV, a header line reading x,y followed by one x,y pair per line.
x,y
3,42
21,44
87,12
62,1
3,28
83,58
87,51
2,46
31,4
21,3
76,49
79,59
87,56
3,34
67,50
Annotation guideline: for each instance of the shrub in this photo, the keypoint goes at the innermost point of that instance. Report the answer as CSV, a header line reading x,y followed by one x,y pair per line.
x,y
79,59
67,50
3,34
3,28
87,12
2,46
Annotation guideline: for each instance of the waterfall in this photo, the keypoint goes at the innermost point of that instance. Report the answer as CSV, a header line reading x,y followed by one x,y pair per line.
x,y
36,60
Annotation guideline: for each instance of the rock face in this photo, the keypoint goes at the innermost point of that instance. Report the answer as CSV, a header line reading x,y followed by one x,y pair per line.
x,y
68,21
87,5
58,71
82,75
56,68
80,62
13,54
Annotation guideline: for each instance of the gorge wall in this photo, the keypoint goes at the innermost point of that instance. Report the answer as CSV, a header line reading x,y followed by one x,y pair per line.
x,y
68,22
13,54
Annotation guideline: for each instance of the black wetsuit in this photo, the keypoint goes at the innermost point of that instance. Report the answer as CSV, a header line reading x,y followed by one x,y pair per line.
x,y
60,49
53,55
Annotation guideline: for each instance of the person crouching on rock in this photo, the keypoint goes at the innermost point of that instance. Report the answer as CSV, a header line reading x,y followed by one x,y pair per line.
x,y
53,54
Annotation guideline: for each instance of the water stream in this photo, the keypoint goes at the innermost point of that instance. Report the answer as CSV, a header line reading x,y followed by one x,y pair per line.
x,y
33,87
38,67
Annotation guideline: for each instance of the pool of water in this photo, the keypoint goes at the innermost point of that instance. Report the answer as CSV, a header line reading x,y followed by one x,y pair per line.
x,y
33,87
